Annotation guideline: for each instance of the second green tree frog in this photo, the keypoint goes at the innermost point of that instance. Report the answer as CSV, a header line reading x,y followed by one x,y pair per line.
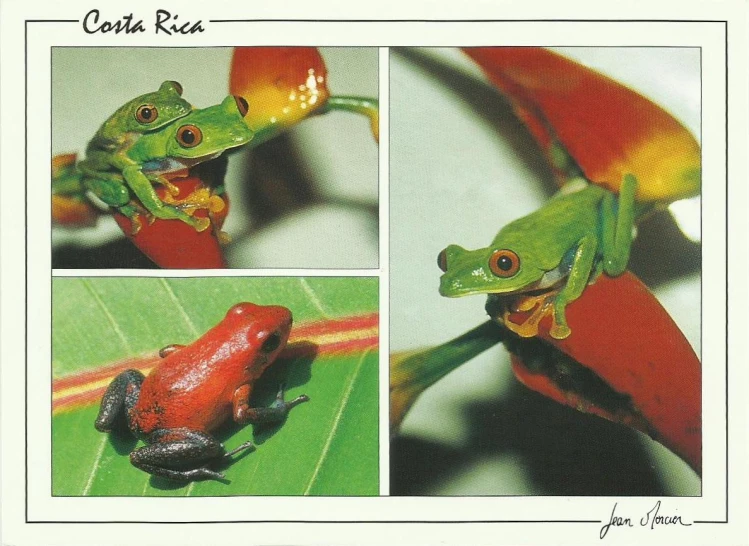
x,y
547,257
200,136
106,153
143,114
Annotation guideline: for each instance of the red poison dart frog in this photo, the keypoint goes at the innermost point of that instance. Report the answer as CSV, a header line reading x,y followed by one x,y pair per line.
x,y
195,389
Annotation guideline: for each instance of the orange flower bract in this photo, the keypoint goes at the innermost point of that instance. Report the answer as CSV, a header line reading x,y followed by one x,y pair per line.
x,y
607,128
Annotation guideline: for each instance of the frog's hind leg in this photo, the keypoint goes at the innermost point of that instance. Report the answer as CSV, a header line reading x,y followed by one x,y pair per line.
x,y
119,398
179,454
143,189
109,188
617,223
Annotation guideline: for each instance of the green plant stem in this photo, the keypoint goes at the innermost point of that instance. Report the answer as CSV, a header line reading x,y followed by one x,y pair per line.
x,y
412,373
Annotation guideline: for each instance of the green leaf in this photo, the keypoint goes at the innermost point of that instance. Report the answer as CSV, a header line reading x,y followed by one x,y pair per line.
x,y
327,446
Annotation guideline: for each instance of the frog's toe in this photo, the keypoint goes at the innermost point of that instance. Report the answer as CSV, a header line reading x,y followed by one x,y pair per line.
x,y
560,331
204,473
200,224
529,328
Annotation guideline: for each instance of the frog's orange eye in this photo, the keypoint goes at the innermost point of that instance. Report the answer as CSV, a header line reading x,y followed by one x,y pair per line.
x,y
272,343
189,136
504,263
177,87
146,113
442,260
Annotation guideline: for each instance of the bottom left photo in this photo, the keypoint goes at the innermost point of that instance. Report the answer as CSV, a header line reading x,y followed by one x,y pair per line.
x,y
215,386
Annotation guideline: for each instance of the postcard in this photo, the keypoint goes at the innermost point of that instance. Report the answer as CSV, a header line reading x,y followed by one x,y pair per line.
x,y
409,274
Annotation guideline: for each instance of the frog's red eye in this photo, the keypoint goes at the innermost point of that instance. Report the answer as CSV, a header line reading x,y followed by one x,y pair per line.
x,y
272,343
504,263
189,136
177,87
146,113
442,260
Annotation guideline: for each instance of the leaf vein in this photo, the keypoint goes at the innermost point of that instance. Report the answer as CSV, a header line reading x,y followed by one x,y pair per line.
x,y
336,422
313,297
110,317
178,304
95,466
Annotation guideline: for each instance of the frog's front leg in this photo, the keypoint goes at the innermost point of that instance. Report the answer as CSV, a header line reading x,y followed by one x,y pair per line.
x,y
181,454
170,349
274,413
577,280
141,186
120,161
119,398
617,224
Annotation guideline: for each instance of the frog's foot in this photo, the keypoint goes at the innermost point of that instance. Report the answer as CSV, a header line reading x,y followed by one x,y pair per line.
x,y
242,447
276,412
286,406
559,330
169,212
196,474
135,214
199,199
544,305
223,237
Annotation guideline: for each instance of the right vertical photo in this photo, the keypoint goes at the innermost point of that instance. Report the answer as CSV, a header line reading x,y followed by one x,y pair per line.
x,y
545,271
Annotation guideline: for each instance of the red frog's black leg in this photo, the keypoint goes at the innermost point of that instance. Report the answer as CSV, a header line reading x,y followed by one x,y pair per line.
x,y
274,413
181,454
120,397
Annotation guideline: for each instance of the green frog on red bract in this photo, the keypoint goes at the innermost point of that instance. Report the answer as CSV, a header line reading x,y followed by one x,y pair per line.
x,y
195,389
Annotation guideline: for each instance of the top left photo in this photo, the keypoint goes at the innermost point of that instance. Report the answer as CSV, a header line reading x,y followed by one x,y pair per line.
x,y
212,158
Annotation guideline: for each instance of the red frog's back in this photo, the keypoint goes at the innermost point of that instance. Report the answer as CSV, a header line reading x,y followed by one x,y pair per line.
x,y
193,386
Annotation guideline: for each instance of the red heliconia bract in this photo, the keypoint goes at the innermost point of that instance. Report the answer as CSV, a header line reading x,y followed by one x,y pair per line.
x,y
174,244
624,336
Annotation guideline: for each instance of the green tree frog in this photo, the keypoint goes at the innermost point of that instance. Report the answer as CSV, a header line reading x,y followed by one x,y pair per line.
x,y
156,156
106,152
548,257
108,149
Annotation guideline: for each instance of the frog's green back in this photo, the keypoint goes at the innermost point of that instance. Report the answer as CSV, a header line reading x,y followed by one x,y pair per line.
x,y
142,114
546,235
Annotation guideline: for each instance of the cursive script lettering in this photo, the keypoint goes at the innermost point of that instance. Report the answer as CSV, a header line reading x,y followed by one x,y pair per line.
x,y
166,23
654,518
615,521
91,24
163,17
651,519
